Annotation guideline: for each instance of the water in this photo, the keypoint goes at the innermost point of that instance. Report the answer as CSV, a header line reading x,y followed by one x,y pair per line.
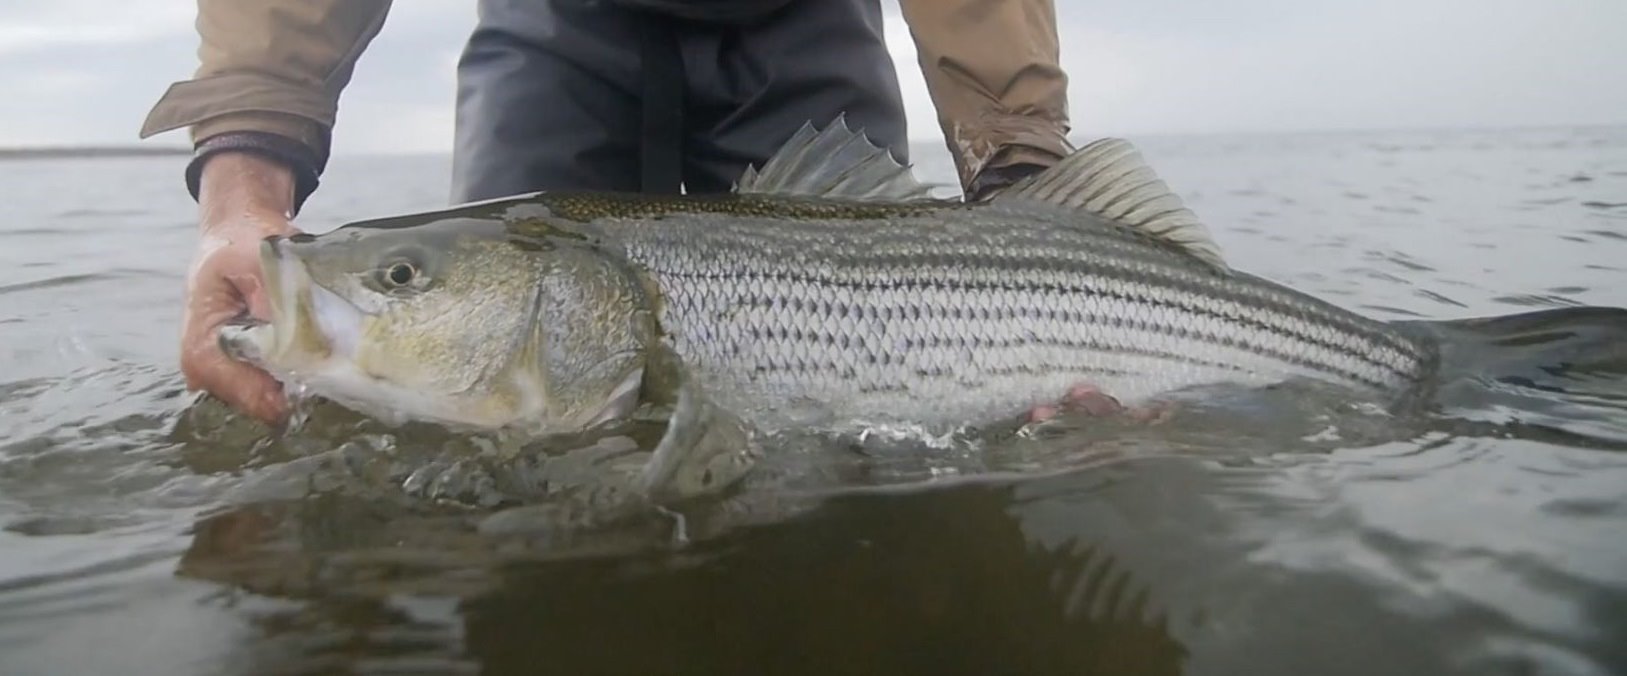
x,y
144,532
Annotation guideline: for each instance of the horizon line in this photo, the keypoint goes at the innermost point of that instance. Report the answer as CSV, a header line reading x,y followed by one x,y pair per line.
x,y
106,149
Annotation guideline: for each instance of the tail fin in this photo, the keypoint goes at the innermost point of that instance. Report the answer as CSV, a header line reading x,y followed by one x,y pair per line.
x,y
1563,369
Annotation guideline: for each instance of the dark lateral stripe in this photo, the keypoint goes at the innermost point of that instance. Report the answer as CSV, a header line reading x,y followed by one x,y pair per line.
x,y
1294,312
789,333
1077,314
1112,251
1071,345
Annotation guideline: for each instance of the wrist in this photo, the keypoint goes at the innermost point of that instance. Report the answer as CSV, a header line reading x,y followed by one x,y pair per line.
x,y
235,185
246,181
992,180
292,159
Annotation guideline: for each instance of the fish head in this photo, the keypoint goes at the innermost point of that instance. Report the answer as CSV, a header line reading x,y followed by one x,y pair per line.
x,y
427,321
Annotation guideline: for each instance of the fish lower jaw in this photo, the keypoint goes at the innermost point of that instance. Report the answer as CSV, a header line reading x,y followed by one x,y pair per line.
x,y
342,382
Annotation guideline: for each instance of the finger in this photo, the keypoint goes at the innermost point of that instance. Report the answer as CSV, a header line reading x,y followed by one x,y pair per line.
x,y
235,269
1091,400
245,388
1042,413
251,289
242,386
1155,414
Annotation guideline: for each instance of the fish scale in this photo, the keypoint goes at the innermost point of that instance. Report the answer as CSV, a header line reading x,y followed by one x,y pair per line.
x,y
938,316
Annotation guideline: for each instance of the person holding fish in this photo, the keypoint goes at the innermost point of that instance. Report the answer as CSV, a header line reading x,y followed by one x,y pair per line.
x,y
659,96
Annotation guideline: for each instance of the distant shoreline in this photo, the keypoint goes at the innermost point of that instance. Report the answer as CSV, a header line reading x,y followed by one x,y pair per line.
x,y
71,152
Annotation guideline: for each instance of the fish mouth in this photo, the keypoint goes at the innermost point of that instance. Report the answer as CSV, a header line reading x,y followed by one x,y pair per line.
x,y
306,317
279,294
253,340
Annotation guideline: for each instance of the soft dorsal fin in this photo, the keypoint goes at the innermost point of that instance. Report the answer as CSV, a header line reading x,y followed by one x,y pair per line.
x,y
836,162
1109,179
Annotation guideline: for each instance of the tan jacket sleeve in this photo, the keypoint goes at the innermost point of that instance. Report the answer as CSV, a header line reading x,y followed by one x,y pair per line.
x,y
993,70
272,66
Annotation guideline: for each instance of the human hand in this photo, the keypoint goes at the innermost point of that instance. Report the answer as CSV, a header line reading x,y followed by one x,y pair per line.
x,y
242,199
990,182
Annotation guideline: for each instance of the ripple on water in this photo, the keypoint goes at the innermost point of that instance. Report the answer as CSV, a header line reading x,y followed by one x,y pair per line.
x,y
49,282
1437,297
87,451
96,214
1274,532
1536,300
77,279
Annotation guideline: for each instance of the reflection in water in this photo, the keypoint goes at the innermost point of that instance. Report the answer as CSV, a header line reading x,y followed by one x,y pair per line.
x,y
1279,531
945,584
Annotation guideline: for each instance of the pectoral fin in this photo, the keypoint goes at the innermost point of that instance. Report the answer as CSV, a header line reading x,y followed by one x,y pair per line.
x,y
705,450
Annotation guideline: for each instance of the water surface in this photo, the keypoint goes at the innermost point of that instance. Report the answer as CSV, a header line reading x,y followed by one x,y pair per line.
x,y
1284,532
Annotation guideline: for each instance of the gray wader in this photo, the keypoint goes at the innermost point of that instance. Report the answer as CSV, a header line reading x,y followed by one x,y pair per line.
x,y
593,95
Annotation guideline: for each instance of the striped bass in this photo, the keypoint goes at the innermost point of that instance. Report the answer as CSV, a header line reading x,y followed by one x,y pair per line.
x,y
830,290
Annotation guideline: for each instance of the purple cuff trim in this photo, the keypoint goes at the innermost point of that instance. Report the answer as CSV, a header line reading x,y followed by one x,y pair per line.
x,y
293,154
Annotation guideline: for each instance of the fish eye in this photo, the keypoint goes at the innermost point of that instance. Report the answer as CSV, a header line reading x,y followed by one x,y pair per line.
x,y
400,273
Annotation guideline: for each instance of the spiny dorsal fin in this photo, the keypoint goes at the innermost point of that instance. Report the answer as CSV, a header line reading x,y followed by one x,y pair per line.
x,y
836,162
1108,178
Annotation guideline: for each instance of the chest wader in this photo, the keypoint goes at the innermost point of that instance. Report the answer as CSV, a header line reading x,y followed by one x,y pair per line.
x,y
661,95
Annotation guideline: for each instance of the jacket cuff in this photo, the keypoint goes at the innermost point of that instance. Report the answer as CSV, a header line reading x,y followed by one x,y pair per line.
x,y
1007,140
295,155
244,102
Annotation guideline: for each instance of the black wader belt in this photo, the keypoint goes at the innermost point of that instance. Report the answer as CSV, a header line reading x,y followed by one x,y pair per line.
x,y
661,136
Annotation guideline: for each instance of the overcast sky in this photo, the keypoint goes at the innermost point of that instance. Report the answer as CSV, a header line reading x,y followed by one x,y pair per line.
x,y
86,71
